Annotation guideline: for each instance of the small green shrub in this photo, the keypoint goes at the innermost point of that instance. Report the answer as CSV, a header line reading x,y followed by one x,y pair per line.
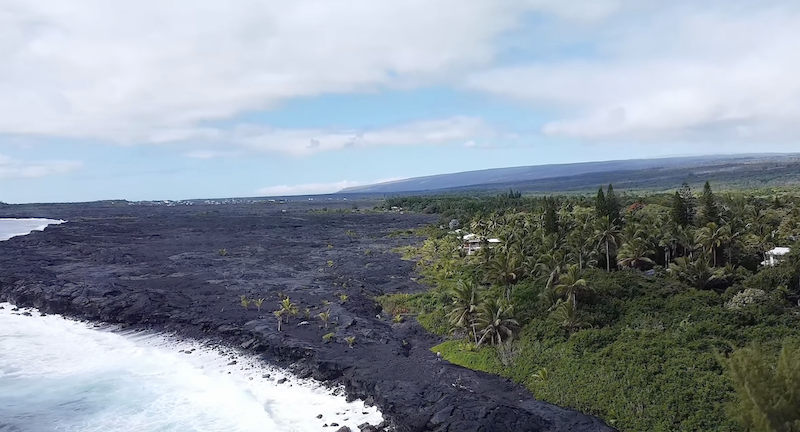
x,y
258,303
222,252
351,340
325,316
245,301
329,337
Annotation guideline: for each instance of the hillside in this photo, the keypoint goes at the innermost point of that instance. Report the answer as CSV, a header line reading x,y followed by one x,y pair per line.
x,y
754,170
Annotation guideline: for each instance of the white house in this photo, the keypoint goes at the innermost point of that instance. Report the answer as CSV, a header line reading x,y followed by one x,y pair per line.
x,y
774,256
472,243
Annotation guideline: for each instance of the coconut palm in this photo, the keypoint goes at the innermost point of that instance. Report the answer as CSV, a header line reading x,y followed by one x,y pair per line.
x,y
464,308
686,240
581,243
668,240
285,309
496,321
566,313
325,316
711,237
549,266
606,233
571,284
506,267
635,253
696,273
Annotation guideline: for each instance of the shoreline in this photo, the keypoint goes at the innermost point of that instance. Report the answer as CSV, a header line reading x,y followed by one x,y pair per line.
x,y
158,269
235,367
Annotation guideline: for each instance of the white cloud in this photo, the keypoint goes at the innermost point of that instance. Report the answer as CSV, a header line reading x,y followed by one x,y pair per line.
x,y
317,188
209,154
307,141
12,168
306,189
665,70
150,70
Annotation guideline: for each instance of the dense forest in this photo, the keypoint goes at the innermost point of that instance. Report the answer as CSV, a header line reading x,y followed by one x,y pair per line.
x,y
656,313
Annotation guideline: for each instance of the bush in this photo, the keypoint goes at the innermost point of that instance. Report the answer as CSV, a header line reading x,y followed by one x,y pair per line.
x,y
767,387
747,298
650,362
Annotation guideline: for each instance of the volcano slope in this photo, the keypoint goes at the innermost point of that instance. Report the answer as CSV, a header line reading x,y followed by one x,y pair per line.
x,y
183,270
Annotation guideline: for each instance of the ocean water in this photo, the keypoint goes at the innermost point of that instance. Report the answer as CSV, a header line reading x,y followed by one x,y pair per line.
x,y
17,227
63,375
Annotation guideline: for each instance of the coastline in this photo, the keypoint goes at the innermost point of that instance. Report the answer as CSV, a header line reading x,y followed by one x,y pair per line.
x,y
202,369
159,269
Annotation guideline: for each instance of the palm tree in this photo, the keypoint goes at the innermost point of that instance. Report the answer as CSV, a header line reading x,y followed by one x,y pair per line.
x,y
549,266
635,253
464,309
496,322
505,267
325,316
711,237
581,243
685,237
566,314
698,273
571,284
668,240
285,308
606,233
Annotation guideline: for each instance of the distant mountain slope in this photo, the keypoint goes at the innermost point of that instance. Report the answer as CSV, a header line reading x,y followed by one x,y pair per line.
x,y
527,177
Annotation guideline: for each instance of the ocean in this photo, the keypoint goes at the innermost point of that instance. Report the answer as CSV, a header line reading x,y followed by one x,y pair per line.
x,y
58,374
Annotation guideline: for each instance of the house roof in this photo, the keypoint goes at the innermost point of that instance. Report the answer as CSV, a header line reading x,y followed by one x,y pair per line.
x,y
779,251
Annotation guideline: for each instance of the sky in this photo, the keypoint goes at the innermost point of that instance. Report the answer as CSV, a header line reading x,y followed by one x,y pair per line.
x,y
181,99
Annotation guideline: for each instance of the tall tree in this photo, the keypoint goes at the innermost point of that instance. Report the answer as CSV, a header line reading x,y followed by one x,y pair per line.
x,y
685,192
711,238
607,233
682,211
550,223
496,321
600,203
464,309
710,209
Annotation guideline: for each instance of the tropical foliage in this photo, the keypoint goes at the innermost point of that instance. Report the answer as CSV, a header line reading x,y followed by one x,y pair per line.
x,y
629,304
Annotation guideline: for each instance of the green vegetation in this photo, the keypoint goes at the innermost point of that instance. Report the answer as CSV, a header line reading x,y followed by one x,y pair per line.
x,y
258,303
768,389
245,301
329,337
626,307
351,340
285,309
222,252
325,316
